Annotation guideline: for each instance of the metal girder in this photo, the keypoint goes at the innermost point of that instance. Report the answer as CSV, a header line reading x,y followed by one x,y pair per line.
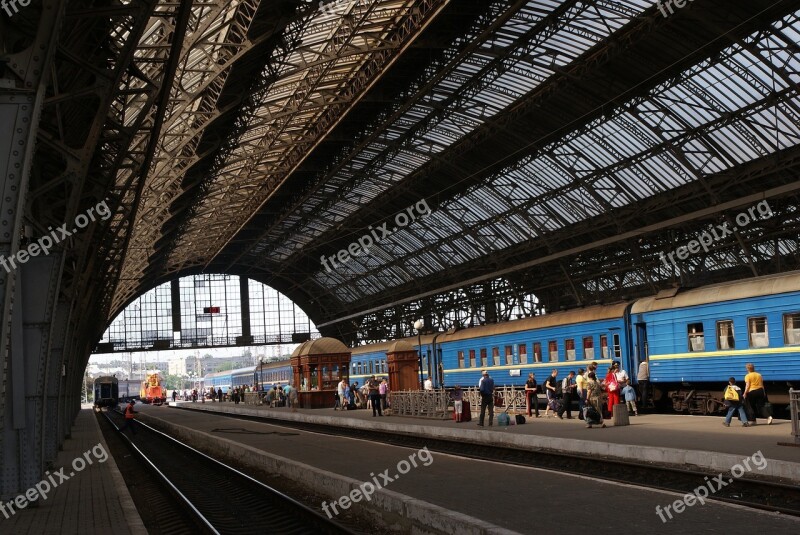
x,y
22,94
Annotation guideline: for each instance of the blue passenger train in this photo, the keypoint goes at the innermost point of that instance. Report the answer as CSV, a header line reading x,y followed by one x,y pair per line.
x,y
265,375
692,339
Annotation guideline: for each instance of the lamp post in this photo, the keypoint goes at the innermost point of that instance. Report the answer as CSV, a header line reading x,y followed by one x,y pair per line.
x,y
419,325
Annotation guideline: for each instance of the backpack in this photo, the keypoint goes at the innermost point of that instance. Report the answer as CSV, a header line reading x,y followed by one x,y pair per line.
x,y
520,419
732,394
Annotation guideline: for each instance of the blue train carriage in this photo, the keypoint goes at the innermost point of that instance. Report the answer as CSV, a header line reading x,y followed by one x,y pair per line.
x,y
217,380
695,340
243,377
276,373
562,340
106,392
368,360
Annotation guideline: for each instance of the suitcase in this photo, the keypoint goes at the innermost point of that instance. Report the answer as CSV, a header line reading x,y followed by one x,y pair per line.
x,y
520,419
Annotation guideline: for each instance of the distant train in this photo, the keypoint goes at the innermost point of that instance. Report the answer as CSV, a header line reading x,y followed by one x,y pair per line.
x,y
106,392
152,392
265,375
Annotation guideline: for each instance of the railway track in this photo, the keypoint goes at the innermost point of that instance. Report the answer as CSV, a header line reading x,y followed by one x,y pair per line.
x,y
761,494
216,497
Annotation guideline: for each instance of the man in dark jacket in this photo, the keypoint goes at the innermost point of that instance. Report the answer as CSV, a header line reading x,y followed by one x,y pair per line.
x,y
486,389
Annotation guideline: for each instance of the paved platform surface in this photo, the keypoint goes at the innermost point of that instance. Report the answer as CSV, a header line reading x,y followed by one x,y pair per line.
x,y
93,500
520,499
672,439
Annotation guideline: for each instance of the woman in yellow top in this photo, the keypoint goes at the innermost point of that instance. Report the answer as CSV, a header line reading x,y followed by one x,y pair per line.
x,y
754,392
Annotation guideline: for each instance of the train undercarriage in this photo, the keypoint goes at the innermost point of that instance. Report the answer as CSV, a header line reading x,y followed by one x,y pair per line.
x,y
707,399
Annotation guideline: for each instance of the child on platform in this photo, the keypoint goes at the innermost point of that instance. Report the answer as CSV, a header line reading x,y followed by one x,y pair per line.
x,y
630,399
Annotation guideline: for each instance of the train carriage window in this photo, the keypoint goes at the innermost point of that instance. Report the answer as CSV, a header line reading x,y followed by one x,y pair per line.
x,y
496,356
603,346
484,360
460,359
385,366
697,340
569,346
354,369
509,355
371,367
537,352
725,335
617,347
523,354
552,350
791,328
472,358
588,347
757,329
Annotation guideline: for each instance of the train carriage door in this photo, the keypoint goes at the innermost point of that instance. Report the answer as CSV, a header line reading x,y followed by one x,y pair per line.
x,y
641,349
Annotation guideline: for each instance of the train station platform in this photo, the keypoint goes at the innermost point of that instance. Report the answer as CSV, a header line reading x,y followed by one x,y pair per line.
x,y
448,493
93,499
669,439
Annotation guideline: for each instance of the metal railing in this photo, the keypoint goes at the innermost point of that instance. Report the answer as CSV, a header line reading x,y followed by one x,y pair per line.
x,y
438,403
422,403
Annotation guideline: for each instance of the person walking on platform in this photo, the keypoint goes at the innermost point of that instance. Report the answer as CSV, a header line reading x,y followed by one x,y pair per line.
x,y
174,396
219,394
487,397
373,387
550,391
594,395
383,391
341,393
130,416
733,400
754,393
531,397
643,378
568,386
580,390
291,397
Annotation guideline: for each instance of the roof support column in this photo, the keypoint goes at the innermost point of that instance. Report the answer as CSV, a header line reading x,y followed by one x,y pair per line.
x,y
24,91
34,300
